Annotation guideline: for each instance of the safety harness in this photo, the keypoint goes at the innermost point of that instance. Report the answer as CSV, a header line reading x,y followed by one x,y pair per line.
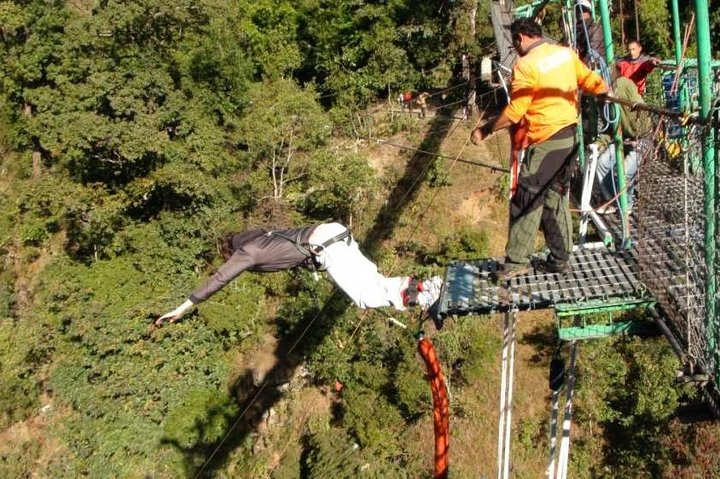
x,y
311,251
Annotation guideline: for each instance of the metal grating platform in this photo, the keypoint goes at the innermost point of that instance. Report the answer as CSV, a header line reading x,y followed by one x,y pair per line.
x,y
597,275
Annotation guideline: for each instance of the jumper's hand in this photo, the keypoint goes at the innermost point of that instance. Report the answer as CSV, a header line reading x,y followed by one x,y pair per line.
x,y
175,314
170,317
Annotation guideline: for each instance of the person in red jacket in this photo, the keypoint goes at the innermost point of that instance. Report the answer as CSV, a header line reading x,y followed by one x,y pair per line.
x,y
637,66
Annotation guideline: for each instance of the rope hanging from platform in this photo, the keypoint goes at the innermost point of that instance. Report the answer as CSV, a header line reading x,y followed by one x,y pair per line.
x,y
588,180
554,407
558,469
506,390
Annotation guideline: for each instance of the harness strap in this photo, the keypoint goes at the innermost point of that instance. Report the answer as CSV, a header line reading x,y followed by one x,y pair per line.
x,y
309,250
345,235
295,240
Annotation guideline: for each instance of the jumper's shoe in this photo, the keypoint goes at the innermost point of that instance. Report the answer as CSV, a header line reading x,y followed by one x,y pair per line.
x,y
411,292
425,294
429,299
429,292
422,293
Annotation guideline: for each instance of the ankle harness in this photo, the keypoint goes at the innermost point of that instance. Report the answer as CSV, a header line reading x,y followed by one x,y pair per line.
x,y
410,295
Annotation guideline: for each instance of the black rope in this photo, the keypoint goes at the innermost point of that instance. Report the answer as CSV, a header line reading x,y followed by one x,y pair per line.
x,y
683,117
476,163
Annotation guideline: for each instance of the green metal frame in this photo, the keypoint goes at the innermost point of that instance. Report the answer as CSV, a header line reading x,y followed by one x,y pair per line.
x,y
574,323
702,16
594,307
531,9
711,169
598,331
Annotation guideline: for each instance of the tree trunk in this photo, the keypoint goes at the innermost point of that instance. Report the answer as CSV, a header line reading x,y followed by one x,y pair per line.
x,y
36,157
36,154
622,22
469,68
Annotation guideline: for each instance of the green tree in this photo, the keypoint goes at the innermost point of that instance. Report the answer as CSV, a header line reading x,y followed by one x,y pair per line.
x,y
281,126
340,185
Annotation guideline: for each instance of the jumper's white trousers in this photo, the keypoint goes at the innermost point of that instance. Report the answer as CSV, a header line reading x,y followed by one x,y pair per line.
x,y
352,272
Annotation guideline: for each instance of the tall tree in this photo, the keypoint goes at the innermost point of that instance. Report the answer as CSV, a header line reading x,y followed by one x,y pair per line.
x,y
281,126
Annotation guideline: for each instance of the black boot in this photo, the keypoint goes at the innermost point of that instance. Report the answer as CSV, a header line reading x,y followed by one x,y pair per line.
x,y
553,265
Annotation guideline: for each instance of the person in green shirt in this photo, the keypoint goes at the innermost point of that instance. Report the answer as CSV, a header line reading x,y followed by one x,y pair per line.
x,y
635,127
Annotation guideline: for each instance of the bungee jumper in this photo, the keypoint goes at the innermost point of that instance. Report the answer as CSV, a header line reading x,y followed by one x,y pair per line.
x,y
331,247
326,247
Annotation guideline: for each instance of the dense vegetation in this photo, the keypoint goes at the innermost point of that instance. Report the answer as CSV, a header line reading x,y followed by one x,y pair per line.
x,y
132,134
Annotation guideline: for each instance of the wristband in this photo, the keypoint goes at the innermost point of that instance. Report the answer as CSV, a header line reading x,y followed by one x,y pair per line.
x,y
486,129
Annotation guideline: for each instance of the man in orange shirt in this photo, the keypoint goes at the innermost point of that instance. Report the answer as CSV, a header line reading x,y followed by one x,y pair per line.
x,y
544,97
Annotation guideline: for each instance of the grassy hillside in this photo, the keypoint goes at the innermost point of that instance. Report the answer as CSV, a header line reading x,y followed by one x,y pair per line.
x,y
133,134
277,376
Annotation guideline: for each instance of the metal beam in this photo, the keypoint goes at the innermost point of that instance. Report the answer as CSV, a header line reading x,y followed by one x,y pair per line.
x,y
595,331
702,16
606,306
676,31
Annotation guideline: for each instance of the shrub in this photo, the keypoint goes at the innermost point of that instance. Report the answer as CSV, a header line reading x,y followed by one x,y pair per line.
x,y
466,244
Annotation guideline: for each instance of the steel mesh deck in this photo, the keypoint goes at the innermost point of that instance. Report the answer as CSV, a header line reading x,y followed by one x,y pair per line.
x,y
597,275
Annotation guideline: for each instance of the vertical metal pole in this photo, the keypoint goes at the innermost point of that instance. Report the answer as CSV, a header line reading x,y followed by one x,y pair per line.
x,y
676,31
622,24
702,15
682,94
471,100
511,368
619,161
570,11
607,32
503,397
